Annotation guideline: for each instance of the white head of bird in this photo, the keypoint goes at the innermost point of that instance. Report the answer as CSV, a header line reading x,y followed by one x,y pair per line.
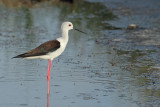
x,y
66,26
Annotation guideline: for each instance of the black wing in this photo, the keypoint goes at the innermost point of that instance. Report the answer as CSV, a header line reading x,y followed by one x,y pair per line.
x,y
43,49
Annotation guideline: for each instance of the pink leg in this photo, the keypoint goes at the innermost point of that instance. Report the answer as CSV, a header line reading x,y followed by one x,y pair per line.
x,y
50,67
48,76
48,73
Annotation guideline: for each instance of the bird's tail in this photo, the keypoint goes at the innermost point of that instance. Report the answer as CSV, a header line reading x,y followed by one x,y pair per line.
x,y
19,56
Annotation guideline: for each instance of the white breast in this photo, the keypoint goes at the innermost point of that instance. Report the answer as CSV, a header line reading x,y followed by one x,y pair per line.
x,y
52,55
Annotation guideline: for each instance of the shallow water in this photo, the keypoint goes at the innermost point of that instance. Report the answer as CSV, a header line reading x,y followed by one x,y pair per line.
x,y
105,68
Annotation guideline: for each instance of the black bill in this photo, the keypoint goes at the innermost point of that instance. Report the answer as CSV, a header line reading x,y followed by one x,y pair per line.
x,y
80,31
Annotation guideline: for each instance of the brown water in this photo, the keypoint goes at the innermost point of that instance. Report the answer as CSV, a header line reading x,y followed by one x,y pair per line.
x,y
108,67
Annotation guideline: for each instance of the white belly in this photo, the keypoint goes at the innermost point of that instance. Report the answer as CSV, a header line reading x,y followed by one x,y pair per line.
x,y
56,53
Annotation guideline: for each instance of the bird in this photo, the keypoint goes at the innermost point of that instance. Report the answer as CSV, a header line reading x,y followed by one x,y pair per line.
x,y
51,49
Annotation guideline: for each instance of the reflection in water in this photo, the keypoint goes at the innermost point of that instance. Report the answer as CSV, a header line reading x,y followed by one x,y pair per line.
x,y
29,19
47,99
20,3
88,16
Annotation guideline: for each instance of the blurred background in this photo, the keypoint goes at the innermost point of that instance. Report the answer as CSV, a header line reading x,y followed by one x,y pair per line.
x,y
117,64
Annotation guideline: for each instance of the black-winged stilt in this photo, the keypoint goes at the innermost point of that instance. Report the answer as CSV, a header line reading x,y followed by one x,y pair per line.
x,y
50,49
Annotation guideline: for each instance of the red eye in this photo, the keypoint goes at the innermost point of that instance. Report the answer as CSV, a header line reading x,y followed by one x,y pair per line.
x,y
69,24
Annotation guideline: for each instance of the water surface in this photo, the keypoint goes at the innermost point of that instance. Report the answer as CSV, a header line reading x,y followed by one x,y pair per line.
x,y
108,67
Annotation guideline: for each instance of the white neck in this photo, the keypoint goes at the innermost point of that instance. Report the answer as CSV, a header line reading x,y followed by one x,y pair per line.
x,y
64,38
65,33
